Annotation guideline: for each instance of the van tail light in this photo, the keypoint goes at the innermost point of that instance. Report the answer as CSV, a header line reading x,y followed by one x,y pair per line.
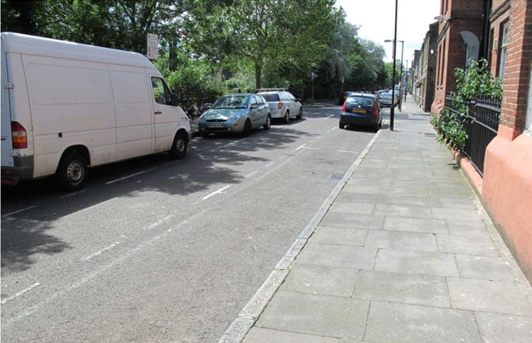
x,y
343,107
20,138
279,105
375,110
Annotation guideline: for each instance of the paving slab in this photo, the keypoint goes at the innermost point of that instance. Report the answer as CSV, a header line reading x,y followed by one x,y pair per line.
x,y
456,213
482,267
339,236
403,288
490,296
403,211
415,225
467,228
316,315
338,256
389,322
260,335
413,241
416,262
501,328
352,220
343,206
325,280
480,246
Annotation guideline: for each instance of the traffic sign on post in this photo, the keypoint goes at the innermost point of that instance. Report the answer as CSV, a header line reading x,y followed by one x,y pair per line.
x,y
152,51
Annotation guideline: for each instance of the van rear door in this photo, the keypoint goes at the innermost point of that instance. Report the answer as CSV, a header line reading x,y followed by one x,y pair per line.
x,y
7,144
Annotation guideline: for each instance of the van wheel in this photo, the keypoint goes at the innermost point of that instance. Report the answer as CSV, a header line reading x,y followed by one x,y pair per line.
x,y
179,146
287,117
268,124
72,173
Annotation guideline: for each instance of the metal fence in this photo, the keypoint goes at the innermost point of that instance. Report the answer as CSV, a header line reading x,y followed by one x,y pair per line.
x,y
480,124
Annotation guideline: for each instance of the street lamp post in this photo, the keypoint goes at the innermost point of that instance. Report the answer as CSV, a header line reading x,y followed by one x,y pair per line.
x,y
401,71
393,69
407,71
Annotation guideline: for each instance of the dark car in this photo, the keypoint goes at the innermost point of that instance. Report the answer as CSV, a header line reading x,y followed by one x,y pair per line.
x,y
361,109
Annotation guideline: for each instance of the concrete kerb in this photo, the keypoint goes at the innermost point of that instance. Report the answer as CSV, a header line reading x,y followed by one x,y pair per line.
x,y
251,312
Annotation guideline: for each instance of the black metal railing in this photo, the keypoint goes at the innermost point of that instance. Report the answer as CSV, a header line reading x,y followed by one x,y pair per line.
x,y
480,124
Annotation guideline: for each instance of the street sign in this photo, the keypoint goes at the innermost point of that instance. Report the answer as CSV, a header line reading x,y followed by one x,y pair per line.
x,y
312,75
152,46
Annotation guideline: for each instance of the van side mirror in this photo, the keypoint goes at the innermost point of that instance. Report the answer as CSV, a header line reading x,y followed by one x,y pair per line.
x,y
174,100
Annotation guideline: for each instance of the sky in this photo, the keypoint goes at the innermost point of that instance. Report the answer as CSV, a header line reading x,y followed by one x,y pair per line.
x,y
376,21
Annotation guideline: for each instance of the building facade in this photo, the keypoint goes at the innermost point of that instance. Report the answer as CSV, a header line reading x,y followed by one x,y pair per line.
x,y
426,76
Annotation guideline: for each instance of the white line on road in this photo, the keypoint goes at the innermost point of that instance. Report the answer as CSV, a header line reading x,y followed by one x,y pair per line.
x,y
301,147
309,148
21,292
331,130
24,209
348,152
214,193
269,164
251,174
72,194
84,259
158,223
329,117
129,176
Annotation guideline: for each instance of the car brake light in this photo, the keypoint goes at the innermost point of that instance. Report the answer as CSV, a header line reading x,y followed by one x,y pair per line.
x,y
343,107
18,132
375,110
279,105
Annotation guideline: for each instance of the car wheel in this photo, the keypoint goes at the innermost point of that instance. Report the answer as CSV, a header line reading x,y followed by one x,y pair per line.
x,y
72,172
341,125
268,124
287,117
247,128
300,114
179,146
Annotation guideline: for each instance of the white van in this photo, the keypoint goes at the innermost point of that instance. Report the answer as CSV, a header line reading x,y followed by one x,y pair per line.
x,y
68,106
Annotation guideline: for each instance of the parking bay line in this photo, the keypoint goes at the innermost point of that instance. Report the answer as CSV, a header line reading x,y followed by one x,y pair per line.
x,y
24,209
217,192
18,294
129,176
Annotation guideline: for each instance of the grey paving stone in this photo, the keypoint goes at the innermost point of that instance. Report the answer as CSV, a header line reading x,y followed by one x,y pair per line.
x,y
360,197
480,246
316,315
260,335
403,211
337,256
416,262
421,192
456,213
388,322
415,225
351,220
408,200
467,204
326,280
401,240
482,267
490,296
404,288
467,228
461,194
365,189
339,236
349,207
501,328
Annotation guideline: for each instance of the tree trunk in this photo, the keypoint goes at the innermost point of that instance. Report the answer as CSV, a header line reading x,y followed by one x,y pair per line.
x,y
258,75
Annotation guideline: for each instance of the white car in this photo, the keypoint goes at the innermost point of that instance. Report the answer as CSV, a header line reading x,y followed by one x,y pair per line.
x,y
283,105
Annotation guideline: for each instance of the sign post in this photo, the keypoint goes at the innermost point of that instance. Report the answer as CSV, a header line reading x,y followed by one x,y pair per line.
x,y
312,77
152,51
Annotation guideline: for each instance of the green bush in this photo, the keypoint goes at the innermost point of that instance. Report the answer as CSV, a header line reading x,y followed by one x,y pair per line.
x,y
476,81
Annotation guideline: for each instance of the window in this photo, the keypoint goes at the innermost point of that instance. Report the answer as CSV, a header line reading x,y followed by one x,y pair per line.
x,y
161,92
502,49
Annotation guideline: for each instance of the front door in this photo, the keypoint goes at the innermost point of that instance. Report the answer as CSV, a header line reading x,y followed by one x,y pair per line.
x,y
7,145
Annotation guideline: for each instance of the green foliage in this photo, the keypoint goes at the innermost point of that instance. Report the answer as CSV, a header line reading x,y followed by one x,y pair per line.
x,y
475,81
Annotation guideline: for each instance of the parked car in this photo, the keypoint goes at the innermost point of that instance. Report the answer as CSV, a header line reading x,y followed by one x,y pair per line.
x,y
361,109
235,113
344,96
282,104
386,99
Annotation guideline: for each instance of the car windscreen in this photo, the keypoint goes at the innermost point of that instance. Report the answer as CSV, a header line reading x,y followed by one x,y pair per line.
x,y
231,101
359,100
386,95
270,97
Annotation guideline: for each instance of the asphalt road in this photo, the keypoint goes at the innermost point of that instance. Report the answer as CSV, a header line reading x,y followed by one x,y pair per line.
x,y
154,250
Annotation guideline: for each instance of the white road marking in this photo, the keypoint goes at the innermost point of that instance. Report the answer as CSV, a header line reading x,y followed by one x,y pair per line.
x,y
329,117
204,158
349,152
85,259
20,293
158,223
331,130
310,148
269,164
301,147
72,194
214,193
24,209
129,176
251,174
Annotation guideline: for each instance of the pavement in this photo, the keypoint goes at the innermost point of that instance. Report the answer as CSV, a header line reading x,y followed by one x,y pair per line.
x,y
401,251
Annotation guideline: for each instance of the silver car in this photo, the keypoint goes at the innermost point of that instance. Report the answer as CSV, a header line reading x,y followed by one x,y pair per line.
x,y
235,113
282,104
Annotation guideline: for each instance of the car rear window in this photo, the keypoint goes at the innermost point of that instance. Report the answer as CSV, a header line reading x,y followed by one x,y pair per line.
x,y
359,100
271,97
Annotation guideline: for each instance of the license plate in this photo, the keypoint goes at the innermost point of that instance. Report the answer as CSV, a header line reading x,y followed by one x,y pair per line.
x,y
357,110
215,126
